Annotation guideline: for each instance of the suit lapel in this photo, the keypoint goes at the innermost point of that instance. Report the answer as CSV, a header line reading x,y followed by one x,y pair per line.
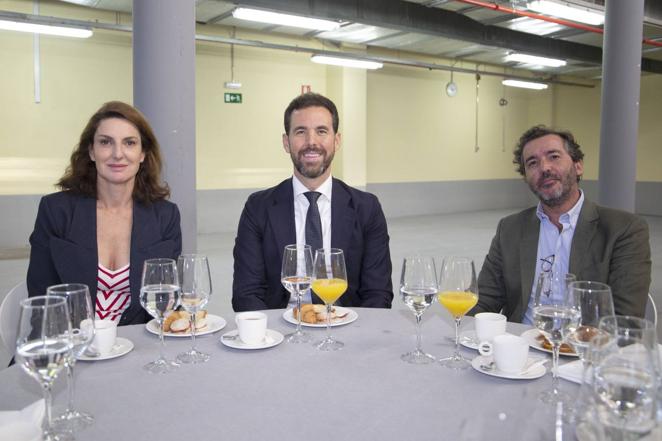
x,y
342,217
581,239
75,256
528,255
281,215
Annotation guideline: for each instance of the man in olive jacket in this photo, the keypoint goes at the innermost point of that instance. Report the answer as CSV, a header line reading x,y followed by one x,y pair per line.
x,y
566,232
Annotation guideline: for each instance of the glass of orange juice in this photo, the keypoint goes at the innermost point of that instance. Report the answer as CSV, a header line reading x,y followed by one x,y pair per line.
x,y
458,293
329,283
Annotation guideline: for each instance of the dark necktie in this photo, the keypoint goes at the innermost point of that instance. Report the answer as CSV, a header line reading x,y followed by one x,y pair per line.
x,y
313,229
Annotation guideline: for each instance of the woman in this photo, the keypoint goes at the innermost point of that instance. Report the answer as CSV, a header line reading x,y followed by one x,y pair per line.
x,y
110,216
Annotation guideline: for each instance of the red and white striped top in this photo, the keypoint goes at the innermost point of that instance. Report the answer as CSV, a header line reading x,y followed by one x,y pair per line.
x,y
113,292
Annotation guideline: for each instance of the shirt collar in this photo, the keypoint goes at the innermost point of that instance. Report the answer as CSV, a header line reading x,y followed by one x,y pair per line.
x,y
570,217
325,188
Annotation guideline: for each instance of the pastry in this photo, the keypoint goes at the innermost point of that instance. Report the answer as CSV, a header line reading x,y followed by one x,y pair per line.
x,y
179,321
546,344
315,314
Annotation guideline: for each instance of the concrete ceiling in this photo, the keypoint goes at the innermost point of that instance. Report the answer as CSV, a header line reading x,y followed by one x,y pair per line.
x,y
451,29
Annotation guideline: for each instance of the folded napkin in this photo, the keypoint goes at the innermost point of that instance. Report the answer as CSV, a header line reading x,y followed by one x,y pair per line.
x,y
572,371
22,425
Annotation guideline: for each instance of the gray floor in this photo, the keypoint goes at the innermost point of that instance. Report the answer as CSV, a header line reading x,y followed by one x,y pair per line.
x,y
466,234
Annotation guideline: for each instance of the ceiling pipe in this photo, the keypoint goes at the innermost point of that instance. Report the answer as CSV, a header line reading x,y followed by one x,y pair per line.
x,y
560,21
29,18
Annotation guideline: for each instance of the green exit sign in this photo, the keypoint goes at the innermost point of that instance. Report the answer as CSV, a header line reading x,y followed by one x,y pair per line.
x,y
233,98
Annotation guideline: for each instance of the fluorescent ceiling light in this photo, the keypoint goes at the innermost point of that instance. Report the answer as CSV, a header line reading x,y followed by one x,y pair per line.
x,y
524,84
532,59
296,21
346,62
45,29
564,10
534,26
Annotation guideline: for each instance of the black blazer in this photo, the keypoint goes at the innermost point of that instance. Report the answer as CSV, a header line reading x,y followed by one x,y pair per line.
x,y
358,227
64,245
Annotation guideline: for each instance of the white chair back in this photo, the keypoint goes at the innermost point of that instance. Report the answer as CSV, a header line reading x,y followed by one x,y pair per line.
x,y
9,314
651,310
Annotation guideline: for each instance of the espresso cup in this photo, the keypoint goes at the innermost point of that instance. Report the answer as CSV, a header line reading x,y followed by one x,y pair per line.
x,y
488,325
105,334
252,327
510,352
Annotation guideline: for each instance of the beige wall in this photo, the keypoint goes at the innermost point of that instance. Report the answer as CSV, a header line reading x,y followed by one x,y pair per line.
x,y
413,131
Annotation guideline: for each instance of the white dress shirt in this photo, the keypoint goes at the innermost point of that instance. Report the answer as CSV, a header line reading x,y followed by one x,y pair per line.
x,y
301,205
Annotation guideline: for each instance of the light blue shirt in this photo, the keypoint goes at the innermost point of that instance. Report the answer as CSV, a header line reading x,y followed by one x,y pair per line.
x,y
553,246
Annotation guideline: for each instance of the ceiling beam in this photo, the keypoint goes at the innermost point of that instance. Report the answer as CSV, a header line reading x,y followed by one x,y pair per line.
x,y
412,17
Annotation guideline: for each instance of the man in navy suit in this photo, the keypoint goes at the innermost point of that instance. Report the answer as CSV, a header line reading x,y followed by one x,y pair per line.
x,y
351,220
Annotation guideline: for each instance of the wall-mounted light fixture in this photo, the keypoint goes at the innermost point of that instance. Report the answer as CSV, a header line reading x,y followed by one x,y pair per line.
x,y
276,18
61,31
524,84
346,62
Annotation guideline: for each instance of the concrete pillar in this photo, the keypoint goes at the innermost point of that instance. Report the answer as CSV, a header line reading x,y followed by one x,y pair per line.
x,y
164,90
347,87
619,121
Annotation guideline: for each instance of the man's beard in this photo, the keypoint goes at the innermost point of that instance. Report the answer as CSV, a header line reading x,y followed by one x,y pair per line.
x,y
560,195
312,172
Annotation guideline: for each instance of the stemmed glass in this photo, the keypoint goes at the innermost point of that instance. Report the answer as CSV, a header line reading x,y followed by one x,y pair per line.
x,y
43,346
555,314
594,301
159,295
81,315
195,283
329,283
296,276
626,377
458,293
418,287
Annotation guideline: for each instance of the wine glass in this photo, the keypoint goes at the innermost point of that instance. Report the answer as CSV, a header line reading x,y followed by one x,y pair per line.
x,y
555,314
43,347
458,293
159,295
594,301
626,378
418,286
329,283
195,284
81,315
296,276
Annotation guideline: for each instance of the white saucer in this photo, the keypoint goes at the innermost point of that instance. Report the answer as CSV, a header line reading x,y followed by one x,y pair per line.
x,y
272,339
481,360
122,347
469,339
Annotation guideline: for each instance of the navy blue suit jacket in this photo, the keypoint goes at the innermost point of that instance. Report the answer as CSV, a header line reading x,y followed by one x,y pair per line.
x,y
64,245
358,227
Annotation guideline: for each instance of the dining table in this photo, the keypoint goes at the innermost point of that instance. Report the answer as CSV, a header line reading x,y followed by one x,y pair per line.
x,y
296,392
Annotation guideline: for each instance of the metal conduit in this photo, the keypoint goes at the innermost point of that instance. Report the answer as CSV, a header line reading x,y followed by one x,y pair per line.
x,y
28,18
568,23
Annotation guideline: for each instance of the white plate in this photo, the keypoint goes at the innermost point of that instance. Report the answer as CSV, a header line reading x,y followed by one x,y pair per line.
x,y
122,346
272,339
481,360
349,318
531,337
214,324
